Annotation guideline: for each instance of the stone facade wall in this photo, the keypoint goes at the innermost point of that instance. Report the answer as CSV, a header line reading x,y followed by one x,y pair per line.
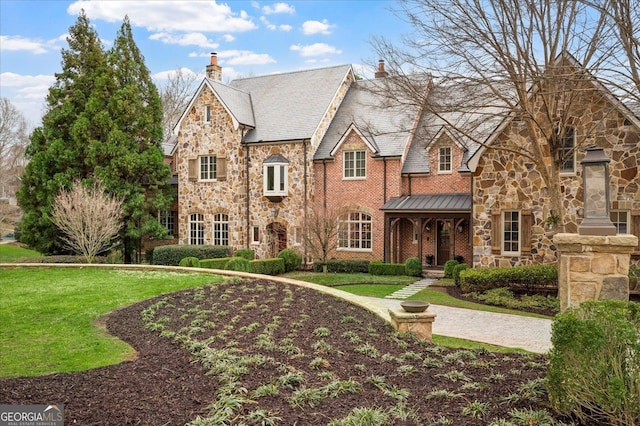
x,y
504,180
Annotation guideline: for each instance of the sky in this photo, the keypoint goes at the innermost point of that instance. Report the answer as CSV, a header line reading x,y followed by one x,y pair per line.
x,y
250,38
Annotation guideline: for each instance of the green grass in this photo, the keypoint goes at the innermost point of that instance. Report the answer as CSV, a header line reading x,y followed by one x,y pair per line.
x,y
11,253
378,290
334,279
47,315
455,343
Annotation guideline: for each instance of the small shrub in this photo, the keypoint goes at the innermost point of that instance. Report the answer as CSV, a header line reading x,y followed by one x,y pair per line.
x,y
238,264
594,370
518,278
219,263
413,267
381,268
634,278
190,262
267,266
292,259
448,268
456,272
172,254
246,253
343,266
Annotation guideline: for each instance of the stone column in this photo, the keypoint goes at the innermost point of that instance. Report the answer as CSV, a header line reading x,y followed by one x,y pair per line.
x,y
420,324
593,267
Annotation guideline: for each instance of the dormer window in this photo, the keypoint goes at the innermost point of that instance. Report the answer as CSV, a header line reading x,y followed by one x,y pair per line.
x,y
275,170
444,159
355,164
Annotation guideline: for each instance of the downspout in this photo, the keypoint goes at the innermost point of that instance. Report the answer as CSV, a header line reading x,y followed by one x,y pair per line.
x,y
409,175
306,197
248,203
384,180
324,185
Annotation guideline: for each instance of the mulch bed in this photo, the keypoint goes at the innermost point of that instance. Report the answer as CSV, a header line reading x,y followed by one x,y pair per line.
x,y
165,386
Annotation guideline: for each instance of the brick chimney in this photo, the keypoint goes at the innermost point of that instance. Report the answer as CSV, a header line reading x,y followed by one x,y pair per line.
x,y
381,73
214,71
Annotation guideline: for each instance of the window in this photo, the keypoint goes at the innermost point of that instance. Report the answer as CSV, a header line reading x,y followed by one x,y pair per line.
x,y
444,159
255,235
275,176
196,229
566,152
620,220
220,229
511,232
297,235
208,113
355,164
208,167
354,231
165,217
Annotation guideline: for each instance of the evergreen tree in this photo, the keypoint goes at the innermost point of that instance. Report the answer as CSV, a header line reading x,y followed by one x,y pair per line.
x,y
130,159
57,148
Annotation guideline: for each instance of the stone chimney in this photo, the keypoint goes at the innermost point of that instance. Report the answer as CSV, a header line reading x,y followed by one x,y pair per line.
x,y
214,71
381,73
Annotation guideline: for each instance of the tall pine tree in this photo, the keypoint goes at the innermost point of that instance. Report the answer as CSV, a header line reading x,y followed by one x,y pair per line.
x,y
104,121
57,149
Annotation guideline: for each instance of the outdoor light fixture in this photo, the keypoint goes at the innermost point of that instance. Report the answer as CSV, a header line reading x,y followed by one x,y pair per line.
x,y
595,180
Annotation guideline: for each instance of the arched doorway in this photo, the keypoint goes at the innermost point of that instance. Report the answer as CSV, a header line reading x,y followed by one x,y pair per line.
x,y
277,234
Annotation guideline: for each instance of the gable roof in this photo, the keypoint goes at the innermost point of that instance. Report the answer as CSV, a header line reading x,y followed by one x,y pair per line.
x,y
627,110
385,126
289,106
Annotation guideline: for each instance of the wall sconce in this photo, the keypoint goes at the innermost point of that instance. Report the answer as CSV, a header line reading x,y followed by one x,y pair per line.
x,y
460,229
595,187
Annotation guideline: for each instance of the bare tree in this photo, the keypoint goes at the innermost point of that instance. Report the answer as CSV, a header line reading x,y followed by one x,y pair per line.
x,y
13,140
89,218
175,95
321,236
498,60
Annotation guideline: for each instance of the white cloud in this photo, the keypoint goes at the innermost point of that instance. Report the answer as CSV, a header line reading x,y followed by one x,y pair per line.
x,y
279,8
165,75
317,27
228,37
267,24
27,93
10,79
37,47
189,39
244,57
316,49
285,27
165,15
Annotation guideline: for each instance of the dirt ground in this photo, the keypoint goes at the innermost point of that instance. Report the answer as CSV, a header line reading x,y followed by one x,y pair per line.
x,y
320,358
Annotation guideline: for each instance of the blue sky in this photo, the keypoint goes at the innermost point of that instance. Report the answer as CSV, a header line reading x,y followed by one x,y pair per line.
x,y
251,37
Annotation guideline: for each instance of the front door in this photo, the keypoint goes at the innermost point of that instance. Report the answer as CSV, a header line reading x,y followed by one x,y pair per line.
x,y
277,238
444,242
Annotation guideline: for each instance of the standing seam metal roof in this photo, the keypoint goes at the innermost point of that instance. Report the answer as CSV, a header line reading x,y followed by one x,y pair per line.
x,y
430,202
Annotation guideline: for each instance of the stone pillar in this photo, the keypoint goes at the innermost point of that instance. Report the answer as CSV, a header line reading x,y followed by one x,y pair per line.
x,y
419,324
593,267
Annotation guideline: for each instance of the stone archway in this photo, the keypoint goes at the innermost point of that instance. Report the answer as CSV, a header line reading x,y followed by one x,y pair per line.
x,y
277,238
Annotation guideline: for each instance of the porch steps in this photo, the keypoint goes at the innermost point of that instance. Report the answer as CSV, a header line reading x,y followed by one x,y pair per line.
x,y
411,289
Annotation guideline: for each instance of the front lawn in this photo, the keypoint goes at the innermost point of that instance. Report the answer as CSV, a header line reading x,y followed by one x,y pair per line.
x,y
47,315
12,252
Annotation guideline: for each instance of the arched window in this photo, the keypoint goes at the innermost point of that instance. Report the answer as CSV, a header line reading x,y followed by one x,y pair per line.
x,y
354,231
220,229
196,229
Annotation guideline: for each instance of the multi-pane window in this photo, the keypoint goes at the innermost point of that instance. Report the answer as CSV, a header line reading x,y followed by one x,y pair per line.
x,y
220,229
354,231
208,167
620,220
275,179
196,229
355,164
511,232
444,159
566,150
165,217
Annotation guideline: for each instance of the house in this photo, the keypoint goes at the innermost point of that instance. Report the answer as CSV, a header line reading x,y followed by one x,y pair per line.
x,y
510,198
244,156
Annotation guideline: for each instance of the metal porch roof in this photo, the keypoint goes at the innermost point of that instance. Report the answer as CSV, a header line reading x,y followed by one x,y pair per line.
x,y
429,202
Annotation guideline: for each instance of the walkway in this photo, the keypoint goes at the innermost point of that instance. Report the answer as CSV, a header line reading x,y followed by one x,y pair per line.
x,y
515,331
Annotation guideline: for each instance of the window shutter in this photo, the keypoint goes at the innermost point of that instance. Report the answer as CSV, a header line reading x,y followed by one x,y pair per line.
x,y
496,237
525,225
221,168
193,169
635,226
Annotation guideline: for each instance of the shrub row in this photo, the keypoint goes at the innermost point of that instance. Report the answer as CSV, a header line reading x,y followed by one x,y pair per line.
x,y
343,266
381,268
171,255
594,364
517,278
62,259
264,266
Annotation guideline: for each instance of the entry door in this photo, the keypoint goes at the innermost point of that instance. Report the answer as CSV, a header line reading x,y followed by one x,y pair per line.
x,y
278,237
444,241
